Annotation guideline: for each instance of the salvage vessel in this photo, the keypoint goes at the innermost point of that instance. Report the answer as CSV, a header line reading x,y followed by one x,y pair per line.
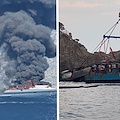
x,y
107,71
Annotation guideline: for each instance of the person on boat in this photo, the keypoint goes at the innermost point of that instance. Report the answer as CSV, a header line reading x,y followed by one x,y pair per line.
x,y
106,68
102,68
97,68
109,68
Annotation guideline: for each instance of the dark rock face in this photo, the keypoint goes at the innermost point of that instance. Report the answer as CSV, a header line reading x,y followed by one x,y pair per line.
x,y
72,54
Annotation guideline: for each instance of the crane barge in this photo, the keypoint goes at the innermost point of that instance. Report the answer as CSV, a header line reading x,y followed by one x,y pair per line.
x,y
109,70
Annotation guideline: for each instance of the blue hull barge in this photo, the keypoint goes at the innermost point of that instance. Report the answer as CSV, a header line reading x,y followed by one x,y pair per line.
x,y
109,75
109,70
104,78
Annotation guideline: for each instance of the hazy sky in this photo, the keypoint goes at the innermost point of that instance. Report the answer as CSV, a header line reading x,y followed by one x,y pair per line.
x,y
89,20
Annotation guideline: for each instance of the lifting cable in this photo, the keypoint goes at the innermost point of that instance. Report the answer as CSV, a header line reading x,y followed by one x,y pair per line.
x,y
104,40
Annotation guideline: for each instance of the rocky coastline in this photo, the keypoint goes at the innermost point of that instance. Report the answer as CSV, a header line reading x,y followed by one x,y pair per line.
x,y
74,55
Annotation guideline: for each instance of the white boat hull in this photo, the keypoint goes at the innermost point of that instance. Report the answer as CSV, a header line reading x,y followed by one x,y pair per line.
x,y
35,90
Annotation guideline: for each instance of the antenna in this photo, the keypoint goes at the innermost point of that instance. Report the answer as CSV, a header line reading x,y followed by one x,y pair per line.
x,y
119,13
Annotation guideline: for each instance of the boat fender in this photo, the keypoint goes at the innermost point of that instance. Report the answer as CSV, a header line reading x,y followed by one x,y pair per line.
x,y
47,86
72,77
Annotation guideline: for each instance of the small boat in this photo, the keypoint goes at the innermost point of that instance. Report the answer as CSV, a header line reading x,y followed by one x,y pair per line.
x,y
108,71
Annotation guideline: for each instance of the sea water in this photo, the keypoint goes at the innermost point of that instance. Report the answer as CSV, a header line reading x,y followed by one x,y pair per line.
x,y
93,103
42,106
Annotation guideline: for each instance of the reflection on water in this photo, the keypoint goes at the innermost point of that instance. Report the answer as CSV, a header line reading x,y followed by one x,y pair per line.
x,y
94,103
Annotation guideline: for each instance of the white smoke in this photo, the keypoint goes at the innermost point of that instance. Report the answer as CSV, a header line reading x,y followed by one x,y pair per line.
x,y
6,68
53,36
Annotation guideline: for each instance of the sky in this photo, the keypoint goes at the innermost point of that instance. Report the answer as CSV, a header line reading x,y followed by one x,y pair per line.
x,y
89,20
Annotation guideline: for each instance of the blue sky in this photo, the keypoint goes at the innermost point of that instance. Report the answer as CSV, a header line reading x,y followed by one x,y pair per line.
x,y
89,20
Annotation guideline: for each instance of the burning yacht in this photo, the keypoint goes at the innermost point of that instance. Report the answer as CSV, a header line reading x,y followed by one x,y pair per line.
x,y
34,88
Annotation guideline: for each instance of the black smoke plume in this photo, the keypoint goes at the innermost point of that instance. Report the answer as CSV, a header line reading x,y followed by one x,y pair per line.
x,y
25,40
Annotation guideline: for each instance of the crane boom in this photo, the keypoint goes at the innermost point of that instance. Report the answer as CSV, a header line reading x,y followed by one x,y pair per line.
x,y
104,36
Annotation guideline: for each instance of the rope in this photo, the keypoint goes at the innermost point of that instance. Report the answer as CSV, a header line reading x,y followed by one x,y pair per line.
x,y
113,26
105,34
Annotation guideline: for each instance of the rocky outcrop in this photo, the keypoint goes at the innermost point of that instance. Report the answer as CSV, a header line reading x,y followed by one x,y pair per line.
x,y
72,54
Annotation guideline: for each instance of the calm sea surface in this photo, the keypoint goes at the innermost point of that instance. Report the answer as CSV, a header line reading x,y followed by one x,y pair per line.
x,y
31,107
94,103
